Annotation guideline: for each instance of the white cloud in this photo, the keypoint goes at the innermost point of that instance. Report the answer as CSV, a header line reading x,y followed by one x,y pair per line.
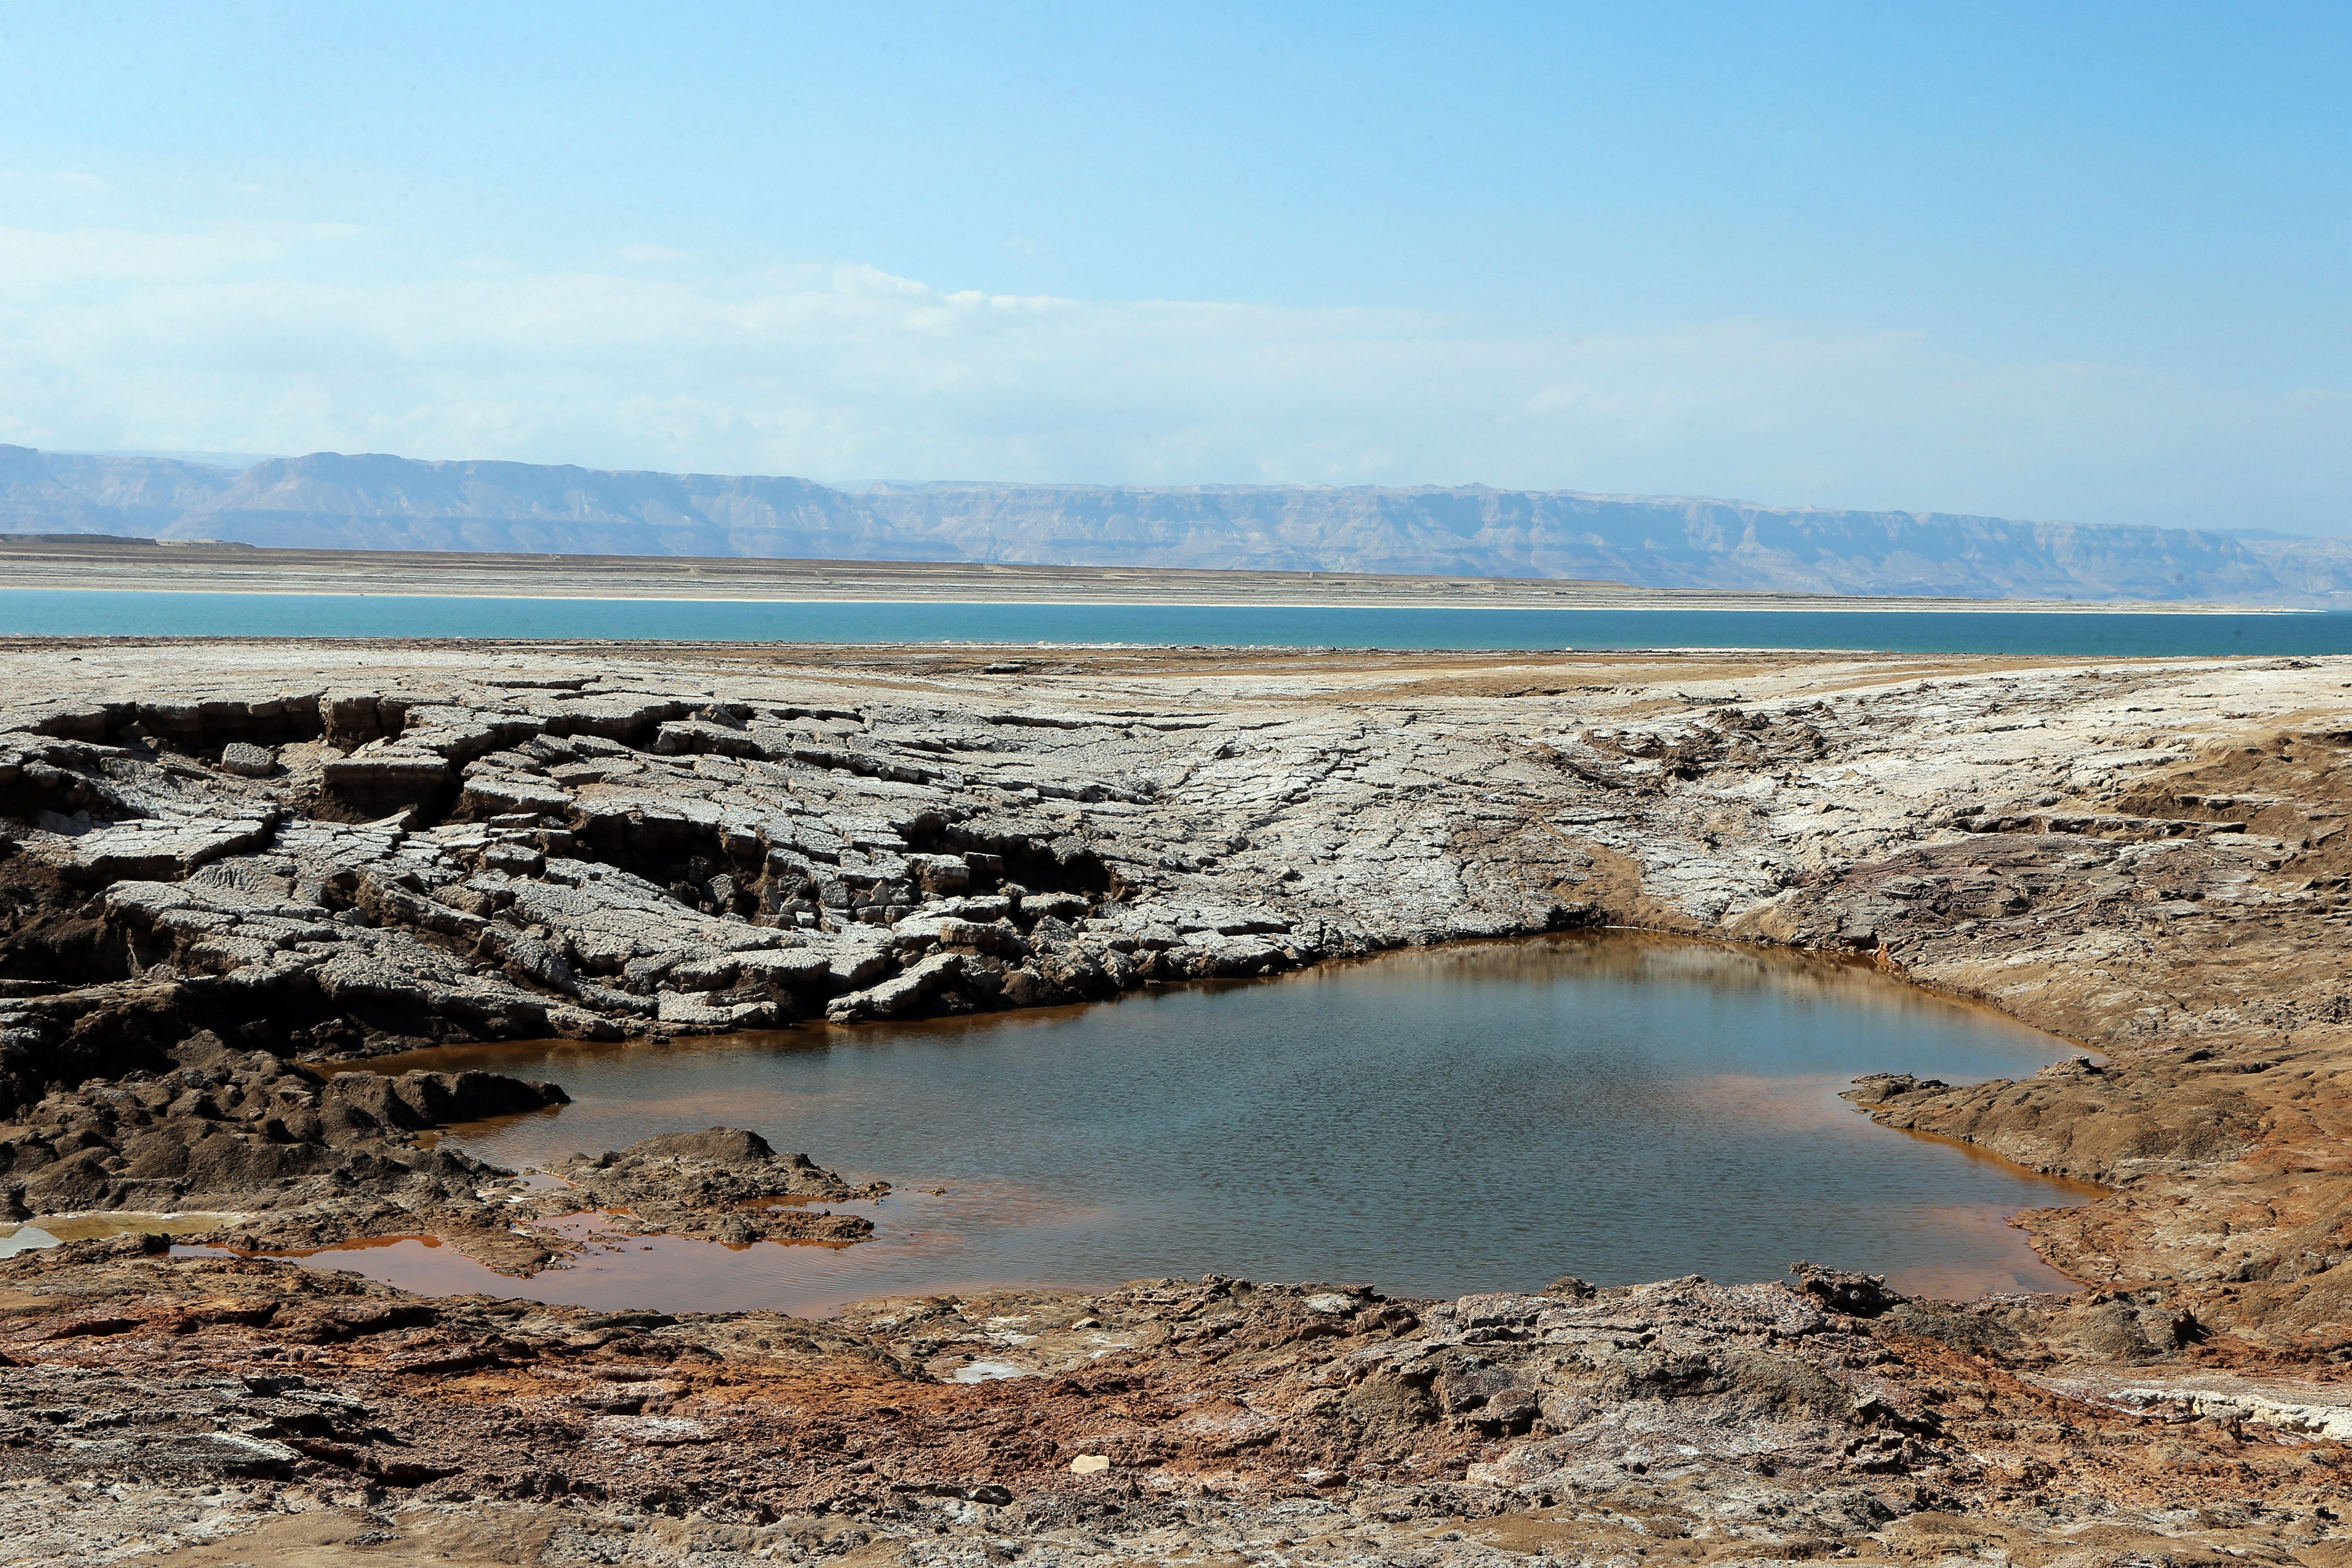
x,y
34,262
261,339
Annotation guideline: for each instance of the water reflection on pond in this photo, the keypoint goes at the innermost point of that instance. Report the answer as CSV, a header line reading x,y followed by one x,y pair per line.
x,y
1479,1116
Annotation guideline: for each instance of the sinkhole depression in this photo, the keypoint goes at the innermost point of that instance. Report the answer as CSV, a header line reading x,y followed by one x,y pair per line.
x,y
1480,1116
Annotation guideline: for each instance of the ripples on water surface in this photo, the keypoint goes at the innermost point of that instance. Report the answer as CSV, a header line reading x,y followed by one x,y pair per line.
x,y
2098,635
1478,1116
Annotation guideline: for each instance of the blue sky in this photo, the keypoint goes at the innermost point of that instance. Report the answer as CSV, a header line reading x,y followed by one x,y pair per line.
x,y
2085,262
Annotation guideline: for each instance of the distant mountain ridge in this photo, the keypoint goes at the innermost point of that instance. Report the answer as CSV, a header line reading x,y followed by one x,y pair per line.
x,y
379,503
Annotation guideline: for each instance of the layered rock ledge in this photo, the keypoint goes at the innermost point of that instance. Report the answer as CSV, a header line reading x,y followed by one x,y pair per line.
x,y
228,865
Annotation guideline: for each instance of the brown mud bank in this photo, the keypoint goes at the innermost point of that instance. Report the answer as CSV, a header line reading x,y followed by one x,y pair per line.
x,y
157,1403
275,854
289,1158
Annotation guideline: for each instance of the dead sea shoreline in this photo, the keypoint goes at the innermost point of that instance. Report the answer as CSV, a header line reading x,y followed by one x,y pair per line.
x,y
284,851
1632,599
99,561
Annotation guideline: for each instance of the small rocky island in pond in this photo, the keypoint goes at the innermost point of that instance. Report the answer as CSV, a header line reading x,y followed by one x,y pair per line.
x,y
225,888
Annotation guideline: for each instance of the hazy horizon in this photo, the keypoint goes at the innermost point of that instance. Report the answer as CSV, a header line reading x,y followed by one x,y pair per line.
x,y
240,461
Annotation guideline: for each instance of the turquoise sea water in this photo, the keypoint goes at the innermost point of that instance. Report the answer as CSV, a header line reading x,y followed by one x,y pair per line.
x,y
54,613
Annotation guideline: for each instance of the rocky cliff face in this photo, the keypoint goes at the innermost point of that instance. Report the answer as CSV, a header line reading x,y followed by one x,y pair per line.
x,y
1646,541
58,492
377,502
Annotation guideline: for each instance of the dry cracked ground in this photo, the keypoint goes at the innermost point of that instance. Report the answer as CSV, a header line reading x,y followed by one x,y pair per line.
x,y
229,865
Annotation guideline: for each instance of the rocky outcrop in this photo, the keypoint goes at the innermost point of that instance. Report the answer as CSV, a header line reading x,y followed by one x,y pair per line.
x,y
291,1157
418,866
262,1141
726,1183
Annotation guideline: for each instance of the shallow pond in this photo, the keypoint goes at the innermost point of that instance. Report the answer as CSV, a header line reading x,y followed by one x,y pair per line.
x,y
51,1229
1478,1116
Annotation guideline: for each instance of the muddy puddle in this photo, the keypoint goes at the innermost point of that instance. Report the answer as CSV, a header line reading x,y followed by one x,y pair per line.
x,y
1488,1116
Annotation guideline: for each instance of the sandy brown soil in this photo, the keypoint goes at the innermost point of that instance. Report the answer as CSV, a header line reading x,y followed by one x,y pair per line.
x,y
253,856
99,561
